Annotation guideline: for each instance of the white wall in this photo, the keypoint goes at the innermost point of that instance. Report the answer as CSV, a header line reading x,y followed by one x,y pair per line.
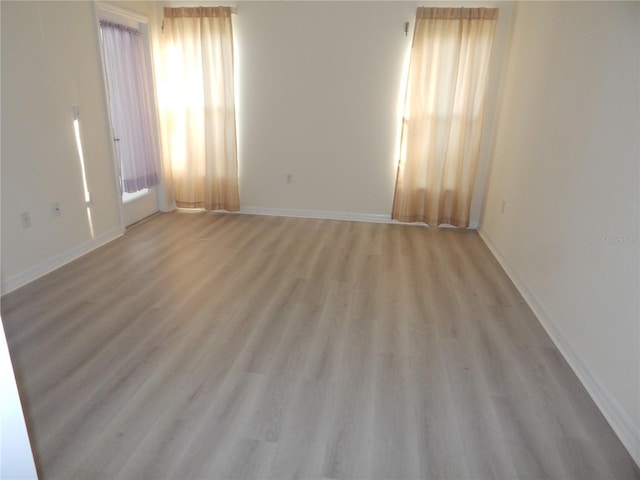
x,y
566,166
16,457
319,95
50,63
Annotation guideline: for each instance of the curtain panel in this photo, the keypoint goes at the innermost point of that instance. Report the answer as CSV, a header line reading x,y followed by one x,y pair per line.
x,y
131,107
197,107
443,115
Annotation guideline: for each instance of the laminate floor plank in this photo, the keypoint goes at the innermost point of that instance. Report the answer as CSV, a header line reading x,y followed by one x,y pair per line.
x,y
204,345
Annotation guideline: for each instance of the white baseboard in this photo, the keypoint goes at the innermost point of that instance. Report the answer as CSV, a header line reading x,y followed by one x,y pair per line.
x,y
324,215
32,273
290,212
622,425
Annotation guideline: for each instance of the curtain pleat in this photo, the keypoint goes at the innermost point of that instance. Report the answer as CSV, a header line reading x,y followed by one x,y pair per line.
x,y
131,107
197,107
443,115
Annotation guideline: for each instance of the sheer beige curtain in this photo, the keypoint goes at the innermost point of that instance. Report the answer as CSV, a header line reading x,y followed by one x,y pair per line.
x,y
197,110
443,114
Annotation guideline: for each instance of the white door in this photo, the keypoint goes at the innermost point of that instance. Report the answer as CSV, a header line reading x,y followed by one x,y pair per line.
x,y
134,206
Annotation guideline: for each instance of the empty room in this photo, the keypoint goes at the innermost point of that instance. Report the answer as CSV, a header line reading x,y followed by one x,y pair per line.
x,y
320,239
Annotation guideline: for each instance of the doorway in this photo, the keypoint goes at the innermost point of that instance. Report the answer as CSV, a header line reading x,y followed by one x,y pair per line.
x,y
126,55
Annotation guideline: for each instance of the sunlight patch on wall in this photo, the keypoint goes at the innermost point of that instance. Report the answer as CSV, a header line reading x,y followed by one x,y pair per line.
x,y
402,94
87,194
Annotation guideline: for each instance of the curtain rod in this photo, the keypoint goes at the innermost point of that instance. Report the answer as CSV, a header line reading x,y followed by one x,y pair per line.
x,y
232,11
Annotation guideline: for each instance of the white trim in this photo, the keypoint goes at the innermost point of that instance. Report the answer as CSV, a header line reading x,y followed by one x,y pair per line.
x,y
290,212
99,11
327,215
622,425
32,273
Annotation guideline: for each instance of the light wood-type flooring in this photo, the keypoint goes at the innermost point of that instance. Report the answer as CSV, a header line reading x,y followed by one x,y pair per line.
x,y
205,345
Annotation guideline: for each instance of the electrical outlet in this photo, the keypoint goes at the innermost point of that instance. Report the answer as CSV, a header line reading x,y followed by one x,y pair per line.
x,y
289,178
56,211
504,204
25,219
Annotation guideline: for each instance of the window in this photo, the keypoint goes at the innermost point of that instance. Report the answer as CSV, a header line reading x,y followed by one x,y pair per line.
x,y
442,123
